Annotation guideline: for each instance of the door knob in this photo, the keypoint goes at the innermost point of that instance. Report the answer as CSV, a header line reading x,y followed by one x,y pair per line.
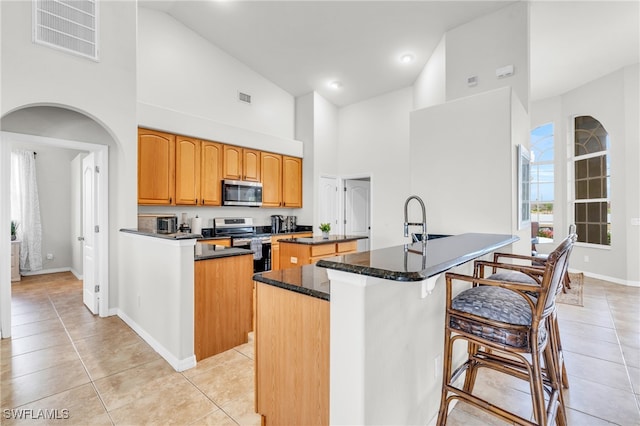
x,y
80,238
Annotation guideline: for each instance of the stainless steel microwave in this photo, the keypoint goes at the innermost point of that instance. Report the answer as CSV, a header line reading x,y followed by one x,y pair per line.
x,y
241,193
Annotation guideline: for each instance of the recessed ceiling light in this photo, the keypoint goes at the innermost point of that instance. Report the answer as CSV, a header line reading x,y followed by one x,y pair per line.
x,y
407,58
335,85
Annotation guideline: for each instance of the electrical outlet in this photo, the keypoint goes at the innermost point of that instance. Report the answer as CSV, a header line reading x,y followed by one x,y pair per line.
x,y
49,256
294,260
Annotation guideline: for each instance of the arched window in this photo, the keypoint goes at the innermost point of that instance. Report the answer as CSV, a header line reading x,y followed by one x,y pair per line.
x,y
592,189
542,179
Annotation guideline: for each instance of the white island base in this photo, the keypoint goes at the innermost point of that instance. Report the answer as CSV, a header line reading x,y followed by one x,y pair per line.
x,y
386,349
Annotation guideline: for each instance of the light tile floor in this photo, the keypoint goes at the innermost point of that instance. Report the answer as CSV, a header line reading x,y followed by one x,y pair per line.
x,y
98,371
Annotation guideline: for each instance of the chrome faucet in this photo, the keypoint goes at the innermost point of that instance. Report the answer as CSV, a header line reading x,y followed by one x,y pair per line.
x,y
424,218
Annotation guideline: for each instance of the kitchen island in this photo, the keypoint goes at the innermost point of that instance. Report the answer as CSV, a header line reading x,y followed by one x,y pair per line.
x,y
173,293
362,345
307,250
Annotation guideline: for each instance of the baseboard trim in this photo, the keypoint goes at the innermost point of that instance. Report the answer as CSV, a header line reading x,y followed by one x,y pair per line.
x,y
614,280
177,364
76,274
45,271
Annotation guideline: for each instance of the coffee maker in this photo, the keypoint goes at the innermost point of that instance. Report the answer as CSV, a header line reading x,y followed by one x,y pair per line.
x,y
290,223
277,224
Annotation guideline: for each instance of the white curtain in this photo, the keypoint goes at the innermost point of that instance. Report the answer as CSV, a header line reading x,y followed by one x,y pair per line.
x,y
25,209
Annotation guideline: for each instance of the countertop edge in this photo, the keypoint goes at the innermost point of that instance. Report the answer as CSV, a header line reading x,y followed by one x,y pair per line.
x,y
418,275
292,287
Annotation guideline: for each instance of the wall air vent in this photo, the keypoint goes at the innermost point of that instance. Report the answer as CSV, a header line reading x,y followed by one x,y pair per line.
x,y
243,97
70,25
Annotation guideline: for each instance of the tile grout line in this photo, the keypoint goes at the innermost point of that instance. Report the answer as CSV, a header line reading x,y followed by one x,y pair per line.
x,y
86,370
624,358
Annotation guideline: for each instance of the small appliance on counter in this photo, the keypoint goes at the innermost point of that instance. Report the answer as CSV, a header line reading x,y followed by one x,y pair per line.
x,y
277,222
290,223
158,223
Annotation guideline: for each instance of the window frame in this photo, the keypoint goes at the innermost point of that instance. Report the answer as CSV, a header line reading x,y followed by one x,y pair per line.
x,y
571,166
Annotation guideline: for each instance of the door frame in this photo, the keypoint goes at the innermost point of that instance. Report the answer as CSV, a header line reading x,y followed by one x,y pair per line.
x,y
342,182
102,238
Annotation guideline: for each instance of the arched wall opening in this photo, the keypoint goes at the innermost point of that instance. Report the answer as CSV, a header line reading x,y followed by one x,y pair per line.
x,y
56,129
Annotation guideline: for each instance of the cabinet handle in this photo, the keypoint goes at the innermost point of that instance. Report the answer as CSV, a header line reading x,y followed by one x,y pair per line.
x,y
196,201
170,200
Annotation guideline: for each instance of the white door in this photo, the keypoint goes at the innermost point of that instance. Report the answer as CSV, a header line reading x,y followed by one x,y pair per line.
x,y
357,210
89,265
328,203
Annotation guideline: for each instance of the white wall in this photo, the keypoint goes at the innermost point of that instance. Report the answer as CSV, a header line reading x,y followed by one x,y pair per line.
x,y
484,44
182,77
105,91
613,100
305,133
430,86
53,174
75,213
463,164
374,140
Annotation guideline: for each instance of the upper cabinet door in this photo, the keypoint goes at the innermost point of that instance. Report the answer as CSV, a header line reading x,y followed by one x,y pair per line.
x,y
291,181
187,171
156,167
271,179
211,174
232,162
251,166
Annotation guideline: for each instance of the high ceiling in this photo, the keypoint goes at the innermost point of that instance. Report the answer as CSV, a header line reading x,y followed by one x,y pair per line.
x,y
303,45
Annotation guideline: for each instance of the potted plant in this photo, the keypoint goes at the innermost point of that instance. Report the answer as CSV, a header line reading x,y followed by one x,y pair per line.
x,y
325,228
14,229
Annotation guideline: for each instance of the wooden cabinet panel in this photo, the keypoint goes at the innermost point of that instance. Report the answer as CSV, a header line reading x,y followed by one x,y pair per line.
x,y
291,181
211,174
187,170
221,242
275,247
223,298
156,167
292,357
251,165
241,163
232,158
323,249
349,246
271,179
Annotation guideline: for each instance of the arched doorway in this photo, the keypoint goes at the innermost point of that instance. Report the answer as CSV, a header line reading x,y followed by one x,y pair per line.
x,y
56,128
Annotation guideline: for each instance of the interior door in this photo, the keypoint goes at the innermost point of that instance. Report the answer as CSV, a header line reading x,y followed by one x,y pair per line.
x,y
358,210
328,203
89,268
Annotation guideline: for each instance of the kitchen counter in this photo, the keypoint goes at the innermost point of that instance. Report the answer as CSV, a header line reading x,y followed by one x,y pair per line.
x,y
210,251
374,330
174,236
308,280
418,261
322,240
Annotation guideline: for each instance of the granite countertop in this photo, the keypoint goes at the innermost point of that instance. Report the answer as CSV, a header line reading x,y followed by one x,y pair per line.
x,y
174,236
418,261
321,240
205,251
307,279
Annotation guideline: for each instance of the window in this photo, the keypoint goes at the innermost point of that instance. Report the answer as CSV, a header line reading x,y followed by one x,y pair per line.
x,y
592,173
542,179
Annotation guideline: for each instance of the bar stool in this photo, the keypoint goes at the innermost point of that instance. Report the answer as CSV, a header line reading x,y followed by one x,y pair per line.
x,y
506,327
523,277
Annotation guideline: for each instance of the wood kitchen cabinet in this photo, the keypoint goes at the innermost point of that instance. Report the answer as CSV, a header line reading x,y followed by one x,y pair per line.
x,y
241,163
275,247
291,181
187,170
294,254
223,304
156,167
291,357
271,165
211,173
281,180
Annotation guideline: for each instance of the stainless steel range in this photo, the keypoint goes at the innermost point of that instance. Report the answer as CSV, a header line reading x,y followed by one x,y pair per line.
x,y
243,235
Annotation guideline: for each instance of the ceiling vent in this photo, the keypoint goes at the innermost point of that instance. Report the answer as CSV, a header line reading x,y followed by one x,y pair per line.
x,y
243,97
70,25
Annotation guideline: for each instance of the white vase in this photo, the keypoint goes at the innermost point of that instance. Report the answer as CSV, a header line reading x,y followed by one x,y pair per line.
x,y
325,235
